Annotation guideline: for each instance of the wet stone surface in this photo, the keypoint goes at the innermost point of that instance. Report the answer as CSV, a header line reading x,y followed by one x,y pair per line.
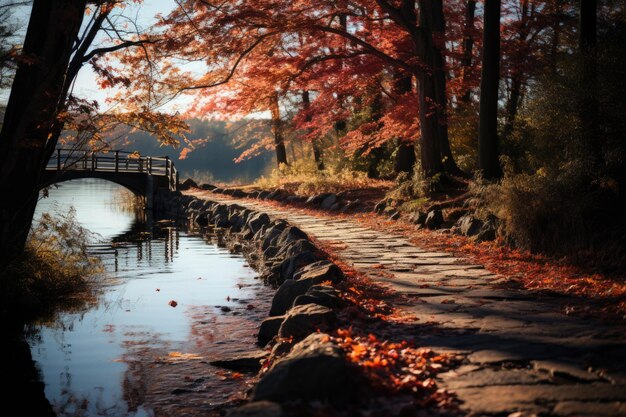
x,y
519,355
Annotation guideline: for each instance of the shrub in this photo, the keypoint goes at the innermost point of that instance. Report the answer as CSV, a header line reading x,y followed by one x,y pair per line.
x,y
55,265
563,189
303,177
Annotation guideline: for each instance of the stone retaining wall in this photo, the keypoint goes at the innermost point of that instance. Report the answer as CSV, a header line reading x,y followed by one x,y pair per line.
x,y
304,364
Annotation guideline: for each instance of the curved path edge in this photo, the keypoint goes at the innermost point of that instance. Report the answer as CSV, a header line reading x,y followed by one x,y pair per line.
x,y
519,354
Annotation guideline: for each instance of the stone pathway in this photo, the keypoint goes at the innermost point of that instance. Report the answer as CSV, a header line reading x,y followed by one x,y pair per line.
x,y
522,356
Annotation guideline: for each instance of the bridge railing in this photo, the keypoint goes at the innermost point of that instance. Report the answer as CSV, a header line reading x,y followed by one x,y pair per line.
x,y
114,161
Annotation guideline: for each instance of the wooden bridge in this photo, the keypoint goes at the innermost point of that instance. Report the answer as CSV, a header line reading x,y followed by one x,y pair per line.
x,y
143,175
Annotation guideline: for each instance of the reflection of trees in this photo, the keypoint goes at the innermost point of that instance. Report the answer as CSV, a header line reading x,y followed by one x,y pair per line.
x,y
162,241
22,376
155,382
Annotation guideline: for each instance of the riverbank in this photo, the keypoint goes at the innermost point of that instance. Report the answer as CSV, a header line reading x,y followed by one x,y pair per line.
x,y
327,334
514,350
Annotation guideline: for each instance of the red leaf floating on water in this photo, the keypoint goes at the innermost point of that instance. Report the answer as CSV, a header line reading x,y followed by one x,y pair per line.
x,y
172,303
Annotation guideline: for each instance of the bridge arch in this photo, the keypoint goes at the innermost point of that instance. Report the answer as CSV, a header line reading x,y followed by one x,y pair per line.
x,y
132,186
143,176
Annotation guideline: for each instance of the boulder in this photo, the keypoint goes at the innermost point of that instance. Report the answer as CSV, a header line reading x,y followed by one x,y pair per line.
x,y
315,369
257,409
287,293
351,206
263,195
294,247
305,319
287,268
194,203
328,302
269,239
305,278
221,220
328,202
278,195
469,225
236,221
208,187
323,295
394,215
290,234
317,199
453,215
488,231
320,271
187,184
434,219
202,219
269,328
237,193
247,362
270,252
417,217
256,221
294,199
380,206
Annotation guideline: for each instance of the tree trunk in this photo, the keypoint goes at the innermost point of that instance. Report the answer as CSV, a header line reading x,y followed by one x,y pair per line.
x,y
490,78
430,154
512,104
433,99
277,130
317,153
30,119
405,152
468,46
378,153
589,103
556,38
405,158
517,76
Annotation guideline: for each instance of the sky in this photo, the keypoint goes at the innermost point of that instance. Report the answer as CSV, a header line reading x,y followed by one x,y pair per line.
x,y
85,85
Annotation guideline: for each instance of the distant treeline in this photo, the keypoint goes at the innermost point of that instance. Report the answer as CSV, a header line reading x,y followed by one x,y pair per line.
x,y
213,157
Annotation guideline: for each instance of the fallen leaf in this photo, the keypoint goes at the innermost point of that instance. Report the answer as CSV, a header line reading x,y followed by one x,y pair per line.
x,y
172,303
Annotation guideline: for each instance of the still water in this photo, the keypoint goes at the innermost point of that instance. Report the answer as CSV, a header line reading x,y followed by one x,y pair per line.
x,y
132,353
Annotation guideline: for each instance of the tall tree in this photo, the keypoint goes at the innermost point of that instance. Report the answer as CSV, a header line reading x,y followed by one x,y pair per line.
x,y
233,38
488,160
54,50
277,131
468,46
587,39
36,97
405,151
306,108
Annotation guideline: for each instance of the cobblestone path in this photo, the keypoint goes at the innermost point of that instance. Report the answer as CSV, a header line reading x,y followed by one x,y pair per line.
x,y
522,355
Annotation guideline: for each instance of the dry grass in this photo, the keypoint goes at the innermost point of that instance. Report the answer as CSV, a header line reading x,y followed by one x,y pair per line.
x,y
303,178
53,270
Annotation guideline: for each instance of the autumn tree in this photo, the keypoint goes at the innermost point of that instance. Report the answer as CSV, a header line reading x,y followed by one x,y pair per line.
x,y
467,60
233,40
489,163
39,103
587,41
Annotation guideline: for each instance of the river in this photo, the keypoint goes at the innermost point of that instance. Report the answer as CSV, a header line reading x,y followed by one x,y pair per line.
x,y
169,302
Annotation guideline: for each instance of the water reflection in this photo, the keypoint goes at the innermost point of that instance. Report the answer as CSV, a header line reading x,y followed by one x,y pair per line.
x,y
133,354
